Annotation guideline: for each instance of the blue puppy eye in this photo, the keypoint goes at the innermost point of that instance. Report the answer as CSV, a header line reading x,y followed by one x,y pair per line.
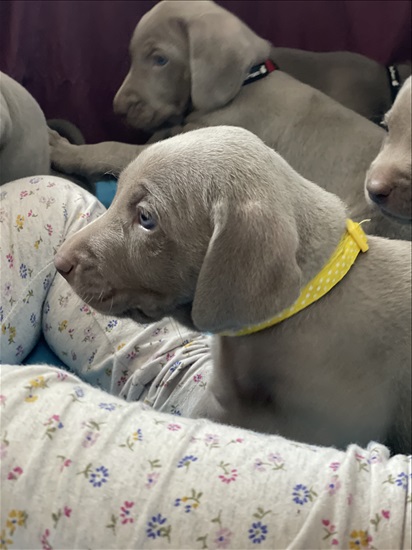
x,y
160,60
146,220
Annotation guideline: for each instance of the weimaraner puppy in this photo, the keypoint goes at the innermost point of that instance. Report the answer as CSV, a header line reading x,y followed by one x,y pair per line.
x,y
389,181
215,229
196,53
24,139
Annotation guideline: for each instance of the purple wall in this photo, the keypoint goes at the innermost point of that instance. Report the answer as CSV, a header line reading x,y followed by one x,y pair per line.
x,y
72,55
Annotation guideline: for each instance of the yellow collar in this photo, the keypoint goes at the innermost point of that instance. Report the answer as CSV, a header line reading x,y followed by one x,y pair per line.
x,y
353,241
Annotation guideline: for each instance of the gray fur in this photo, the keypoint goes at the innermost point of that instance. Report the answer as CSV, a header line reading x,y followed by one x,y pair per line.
x,y
210,51
239,233
24,141
389,178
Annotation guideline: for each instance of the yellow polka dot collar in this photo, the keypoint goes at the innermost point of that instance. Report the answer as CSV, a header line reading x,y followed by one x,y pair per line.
x,y
353,241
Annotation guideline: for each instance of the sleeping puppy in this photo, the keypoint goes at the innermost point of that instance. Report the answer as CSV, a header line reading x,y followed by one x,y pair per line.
x,y
216,230
389,181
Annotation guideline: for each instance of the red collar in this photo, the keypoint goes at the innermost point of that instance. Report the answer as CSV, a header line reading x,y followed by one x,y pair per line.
x,y
260,71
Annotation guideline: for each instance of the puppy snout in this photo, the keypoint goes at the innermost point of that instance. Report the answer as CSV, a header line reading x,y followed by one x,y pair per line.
x,y
64,266
379,190
123,101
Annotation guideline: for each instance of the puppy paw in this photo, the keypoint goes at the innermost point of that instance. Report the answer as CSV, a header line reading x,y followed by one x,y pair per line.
x,y
62,153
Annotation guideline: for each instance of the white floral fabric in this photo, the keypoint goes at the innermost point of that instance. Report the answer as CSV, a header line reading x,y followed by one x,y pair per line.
x,y
81,469
164,364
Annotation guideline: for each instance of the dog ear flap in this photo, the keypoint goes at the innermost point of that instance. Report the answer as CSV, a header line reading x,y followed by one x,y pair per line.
x,y
249,273
220,51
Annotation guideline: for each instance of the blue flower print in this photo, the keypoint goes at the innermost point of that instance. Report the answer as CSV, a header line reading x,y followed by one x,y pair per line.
x,y
258,532
154,529
1,314
175,365
111,325
46,308
107,406
301,494
99,476
47,281
402,480
186,460
79,391
23,271
33,319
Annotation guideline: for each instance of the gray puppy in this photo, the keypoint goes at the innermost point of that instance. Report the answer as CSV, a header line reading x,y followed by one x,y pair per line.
x,y
389,179
202,56
24,139
215,229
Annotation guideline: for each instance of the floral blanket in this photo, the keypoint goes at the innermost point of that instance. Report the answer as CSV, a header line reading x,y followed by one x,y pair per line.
x,y
81,469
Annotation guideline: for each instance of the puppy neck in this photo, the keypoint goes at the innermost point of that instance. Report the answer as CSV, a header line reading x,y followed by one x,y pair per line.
x,y
321,221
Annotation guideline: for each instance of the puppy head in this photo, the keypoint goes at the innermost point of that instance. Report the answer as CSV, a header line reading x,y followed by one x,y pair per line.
x,y
201,228
388,181
185,54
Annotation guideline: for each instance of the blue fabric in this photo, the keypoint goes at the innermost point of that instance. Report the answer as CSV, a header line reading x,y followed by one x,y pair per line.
x,y
105,191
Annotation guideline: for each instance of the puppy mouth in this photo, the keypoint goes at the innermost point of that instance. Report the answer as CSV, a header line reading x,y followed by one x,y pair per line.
x,y
399,218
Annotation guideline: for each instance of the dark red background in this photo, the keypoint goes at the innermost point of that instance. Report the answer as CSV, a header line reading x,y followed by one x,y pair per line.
x,y
72,55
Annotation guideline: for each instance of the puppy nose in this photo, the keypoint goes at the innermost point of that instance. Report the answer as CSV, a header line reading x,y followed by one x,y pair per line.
x,y
63,265
121,103
379,190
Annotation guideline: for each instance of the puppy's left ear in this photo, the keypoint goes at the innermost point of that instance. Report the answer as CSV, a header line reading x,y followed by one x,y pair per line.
x,y
221,51
250,272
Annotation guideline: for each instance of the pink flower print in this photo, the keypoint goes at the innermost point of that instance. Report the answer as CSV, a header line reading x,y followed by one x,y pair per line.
x,y
169,355
49,229
10,260
85,215
30,213
90,438
45,540
350,499
222,538
386,514
23,194
174,427
333,486
152,479
65,464
334,466
15,473
67,511
259,465
330,531
197,378
125,512
228,478
3,400
239,440
211,439
62,375
3,449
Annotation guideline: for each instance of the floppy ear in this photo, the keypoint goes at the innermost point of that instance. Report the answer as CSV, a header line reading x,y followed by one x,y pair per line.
x,y
221,51
249,273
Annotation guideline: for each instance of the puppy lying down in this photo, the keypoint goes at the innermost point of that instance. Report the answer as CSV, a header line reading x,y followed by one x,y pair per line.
x,y
216,230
